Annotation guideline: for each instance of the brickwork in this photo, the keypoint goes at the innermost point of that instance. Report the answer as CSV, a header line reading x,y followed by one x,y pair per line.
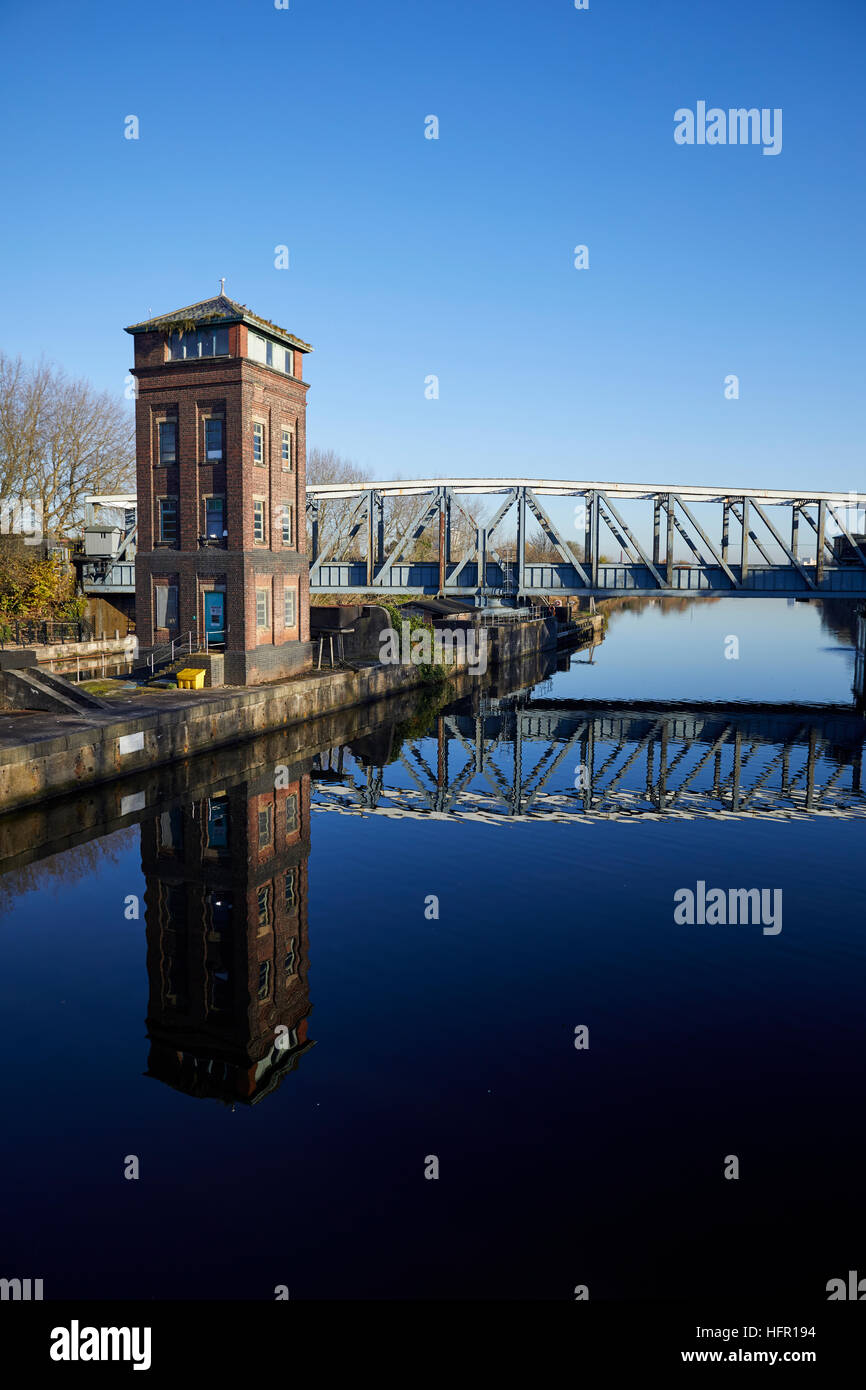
x,y
260,564
227,938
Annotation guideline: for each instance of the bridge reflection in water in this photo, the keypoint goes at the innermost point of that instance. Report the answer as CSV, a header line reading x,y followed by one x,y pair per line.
x,y
225,843
523,757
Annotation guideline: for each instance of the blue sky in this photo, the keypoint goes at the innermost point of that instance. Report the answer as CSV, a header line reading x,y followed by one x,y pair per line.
x,y
454,257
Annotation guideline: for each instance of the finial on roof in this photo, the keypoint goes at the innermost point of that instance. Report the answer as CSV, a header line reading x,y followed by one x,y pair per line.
x,y
223,285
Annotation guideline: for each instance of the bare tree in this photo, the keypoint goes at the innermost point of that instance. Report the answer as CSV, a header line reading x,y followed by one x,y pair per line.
x,y
326,466
335,516
60,440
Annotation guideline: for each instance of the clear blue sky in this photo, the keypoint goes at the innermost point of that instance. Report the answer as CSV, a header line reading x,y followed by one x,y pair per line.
x,y
409,256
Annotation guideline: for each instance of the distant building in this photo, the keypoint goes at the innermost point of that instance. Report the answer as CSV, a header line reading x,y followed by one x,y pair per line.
x,y
221,466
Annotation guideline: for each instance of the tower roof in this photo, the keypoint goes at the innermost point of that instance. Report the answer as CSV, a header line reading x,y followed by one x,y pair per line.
x,y
220,309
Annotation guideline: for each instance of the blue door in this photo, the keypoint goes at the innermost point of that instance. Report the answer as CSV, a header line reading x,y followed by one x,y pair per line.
x,y
215,616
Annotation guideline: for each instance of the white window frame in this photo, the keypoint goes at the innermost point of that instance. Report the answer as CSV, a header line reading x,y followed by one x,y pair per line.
x,y
288,459
289,597
259,438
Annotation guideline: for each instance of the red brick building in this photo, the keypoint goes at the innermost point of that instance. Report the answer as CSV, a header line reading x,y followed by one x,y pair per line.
x,y
221,456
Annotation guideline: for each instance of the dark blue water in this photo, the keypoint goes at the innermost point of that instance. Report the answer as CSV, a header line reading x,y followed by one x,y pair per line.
x,y
553,835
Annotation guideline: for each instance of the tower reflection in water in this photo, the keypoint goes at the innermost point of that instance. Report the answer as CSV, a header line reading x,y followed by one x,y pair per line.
x,y
227,939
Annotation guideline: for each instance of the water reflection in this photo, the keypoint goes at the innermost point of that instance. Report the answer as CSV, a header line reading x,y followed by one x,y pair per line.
x,y
225,839
227,939
528,756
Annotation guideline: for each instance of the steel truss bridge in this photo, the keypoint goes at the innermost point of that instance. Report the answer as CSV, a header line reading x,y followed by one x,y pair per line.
x,y
570,761
753,548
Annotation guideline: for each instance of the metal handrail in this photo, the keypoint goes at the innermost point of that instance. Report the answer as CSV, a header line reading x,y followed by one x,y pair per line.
x,y
494,617
167,652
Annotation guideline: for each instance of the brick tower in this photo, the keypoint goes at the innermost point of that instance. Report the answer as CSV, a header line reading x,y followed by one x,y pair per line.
x,y
221,452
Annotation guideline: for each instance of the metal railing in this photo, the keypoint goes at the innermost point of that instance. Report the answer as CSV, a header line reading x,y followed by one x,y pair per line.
x,y
37,632
495,617
167,652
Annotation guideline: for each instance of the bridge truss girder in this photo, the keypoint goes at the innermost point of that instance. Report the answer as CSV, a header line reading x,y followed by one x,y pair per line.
x,y
723,566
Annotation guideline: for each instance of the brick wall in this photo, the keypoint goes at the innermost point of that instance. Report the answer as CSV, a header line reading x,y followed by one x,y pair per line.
x,y
240,392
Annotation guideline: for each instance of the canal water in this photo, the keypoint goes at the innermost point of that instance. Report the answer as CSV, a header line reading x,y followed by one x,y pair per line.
x,y
410,1009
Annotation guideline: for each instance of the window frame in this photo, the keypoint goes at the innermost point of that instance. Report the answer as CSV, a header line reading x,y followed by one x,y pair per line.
x,y
287,459
259,439
166,588
214,455
161,457
287,514
168,497
213,497
289,594
178,343
266,594
260,507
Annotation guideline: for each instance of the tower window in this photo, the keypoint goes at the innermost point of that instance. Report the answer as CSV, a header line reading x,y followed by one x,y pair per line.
x,y
165,599
214,517
167,441
258,442
288,451
270,354
259,520
286,523
289,608
204,342
168,520
263,617
213,439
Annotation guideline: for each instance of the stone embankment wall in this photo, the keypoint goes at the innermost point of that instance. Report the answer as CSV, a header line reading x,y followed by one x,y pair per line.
x,y
54,757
